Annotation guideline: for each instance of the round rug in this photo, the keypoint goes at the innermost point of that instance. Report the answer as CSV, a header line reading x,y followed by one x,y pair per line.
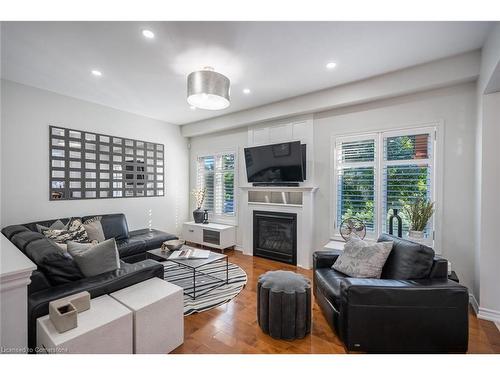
x,y
183,277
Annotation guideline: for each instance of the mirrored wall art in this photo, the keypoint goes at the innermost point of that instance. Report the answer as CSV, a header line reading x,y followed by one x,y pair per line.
x,y
81,164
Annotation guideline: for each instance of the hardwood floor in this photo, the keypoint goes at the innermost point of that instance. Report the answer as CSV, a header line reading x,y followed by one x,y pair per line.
x,y
232,328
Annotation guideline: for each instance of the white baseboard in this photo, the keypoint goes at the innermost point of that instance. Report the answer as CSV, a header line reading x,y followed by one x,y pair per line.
x,y
498,325
238,247
473,303
489,314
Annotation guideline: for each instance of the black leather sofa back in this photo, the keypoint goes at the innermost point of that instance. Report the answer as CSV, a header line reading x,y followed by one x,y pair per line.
x,y
408,260
113,225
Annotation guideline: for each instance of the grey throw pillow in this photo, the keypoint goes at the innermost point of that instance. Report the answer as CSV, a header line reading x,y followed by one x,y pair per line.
x,y
95,259
94,229
363,259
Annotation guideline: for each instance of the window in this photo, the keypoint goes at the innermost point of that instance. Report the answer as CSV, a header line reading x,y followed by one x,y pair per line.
x,y
376,173
216,174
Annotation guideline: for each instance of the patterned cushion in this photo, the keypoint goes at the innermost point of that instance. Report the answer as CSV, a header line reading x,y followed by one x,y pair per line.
x,y
76,232
363,259
58,224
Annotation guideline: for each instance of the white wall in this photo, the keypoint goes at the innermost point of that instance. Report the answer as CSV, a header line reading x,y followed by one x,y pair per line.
x,y
489,256
26,115
454,106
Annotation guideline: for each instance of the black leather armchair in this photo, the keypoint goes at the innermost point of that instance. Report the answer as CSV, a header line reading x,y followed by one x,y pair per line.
x,y
426,315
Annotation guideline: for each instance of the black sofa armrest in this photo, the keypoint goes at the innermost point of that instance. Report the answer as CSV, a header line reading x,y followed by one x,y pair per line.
x,y
109,282
325,258
38,282
439,269
385,292
410,316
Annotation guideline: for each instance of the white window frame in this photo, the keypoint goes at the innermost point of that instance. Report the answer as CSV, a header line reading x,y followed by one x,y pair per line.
x,y
435,129
221,218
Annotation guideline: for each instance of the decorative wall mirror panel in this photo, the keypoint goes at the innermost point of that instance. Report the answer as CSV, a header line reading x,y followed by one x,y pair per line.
x,y
86,165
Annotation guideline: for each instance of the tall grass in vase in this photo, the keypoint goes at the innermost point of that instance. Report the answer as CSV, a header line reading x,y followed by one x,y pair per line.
x,y
418,213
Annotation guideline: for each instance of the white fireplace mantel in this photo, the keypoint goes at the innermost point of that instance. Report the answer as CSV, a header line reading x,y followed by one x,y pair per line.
x,y
304,210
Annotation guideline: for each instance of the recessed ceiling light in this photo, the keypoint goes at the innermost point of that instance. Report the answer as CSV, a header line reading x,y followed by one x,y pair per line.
x,y
192,107
97,73
148,34
331,65
246,91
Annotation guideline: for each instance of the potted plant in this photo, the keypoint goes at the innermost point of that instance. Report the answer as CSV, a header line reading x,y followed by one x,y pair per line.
x,y
199,197
418,213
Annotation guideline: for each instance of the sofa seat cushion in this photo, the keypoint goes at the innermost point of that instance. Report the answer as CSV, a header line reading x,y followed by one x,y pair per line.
x,y
328,282
152,237
130,246
408,260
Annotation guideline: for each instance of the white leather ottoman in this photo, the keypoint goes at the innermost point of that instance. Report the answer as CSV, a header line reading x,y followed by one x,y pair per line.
x,y
106,328
158,308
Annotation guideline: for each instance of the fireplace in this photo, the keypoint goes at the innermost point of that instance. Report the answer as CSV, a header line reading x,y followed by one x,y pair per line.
x,y
275,236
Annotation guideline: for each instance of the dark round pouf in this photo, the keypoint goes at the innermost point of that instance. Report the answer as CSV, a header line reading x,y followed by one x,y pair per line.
x,y
284,304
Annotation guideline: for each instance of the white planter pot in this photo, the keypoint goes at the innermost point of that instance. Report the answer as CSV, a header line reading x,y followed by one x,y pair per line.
x,y
417,234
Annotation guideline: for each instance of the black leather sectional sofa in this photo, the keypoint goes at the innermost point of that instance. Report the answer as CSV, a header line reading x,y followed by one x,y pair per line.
x,y
428,314
58,276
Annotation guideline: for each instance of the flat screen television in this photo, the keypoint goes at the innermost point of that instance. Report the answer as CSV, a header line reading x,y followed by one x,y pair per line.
x,y
279,163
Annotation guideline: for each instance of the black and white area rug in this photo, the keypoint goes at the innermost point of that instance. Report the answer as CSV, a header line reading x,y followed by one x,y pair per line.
x,y
184,278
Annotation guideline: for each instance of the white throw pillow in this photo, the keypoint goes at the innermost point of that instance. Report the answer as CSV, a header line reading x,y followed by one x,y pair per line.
x,y
363,259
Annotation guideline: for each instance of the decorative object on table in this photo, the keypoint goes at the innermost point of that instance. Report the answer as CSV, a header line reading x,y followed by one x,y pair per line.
x,y
399,220
208,89
63,315
70,169
187,252
199,198
172,245
352,226
205,217
419,213
81,301
284,288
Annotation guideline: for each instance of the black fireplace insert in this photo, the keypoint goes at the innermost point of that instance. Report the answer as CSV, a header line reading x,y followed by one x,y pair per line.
x,y
275,236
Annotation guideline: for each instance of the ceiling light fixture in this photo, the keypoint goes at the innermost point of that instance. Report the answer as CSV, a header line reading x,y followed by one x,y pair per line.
x,y
148,34
97,73
207,89
331,65
246,91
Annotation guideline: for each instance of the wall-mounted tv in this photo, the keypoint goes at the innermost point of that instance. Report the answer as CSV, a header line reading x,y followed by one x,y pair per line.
x,y
279,163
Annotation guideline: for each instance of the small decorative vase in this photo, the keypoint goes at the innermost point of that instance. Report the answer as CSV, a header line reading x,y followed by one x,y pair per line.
x,y
205,217
416,234
198,215
398,219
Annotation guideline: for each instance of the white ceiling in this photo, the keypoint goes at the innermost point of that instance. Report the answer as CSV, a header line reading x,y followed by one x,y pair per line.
x,y
276,60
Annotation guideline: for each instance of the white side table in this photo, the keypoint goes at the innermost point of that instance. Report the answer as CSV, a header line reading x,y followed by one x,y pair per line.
x,y
158,308
106,328
219,236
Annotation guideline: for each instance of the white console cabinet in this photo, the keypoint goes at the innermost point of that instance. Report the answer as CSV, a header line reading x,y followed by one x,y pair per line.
x,y
219,236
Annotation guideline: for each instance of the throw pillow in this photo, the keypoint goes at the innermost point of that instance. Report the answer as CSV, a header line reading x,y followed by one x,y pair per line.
x,y
58,224
94,230
75,232
95,259
363,259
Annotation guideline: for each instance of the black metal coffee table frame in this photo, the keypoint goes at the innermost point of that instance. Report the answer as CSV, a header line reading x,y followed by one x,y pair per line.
x,y
156,254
